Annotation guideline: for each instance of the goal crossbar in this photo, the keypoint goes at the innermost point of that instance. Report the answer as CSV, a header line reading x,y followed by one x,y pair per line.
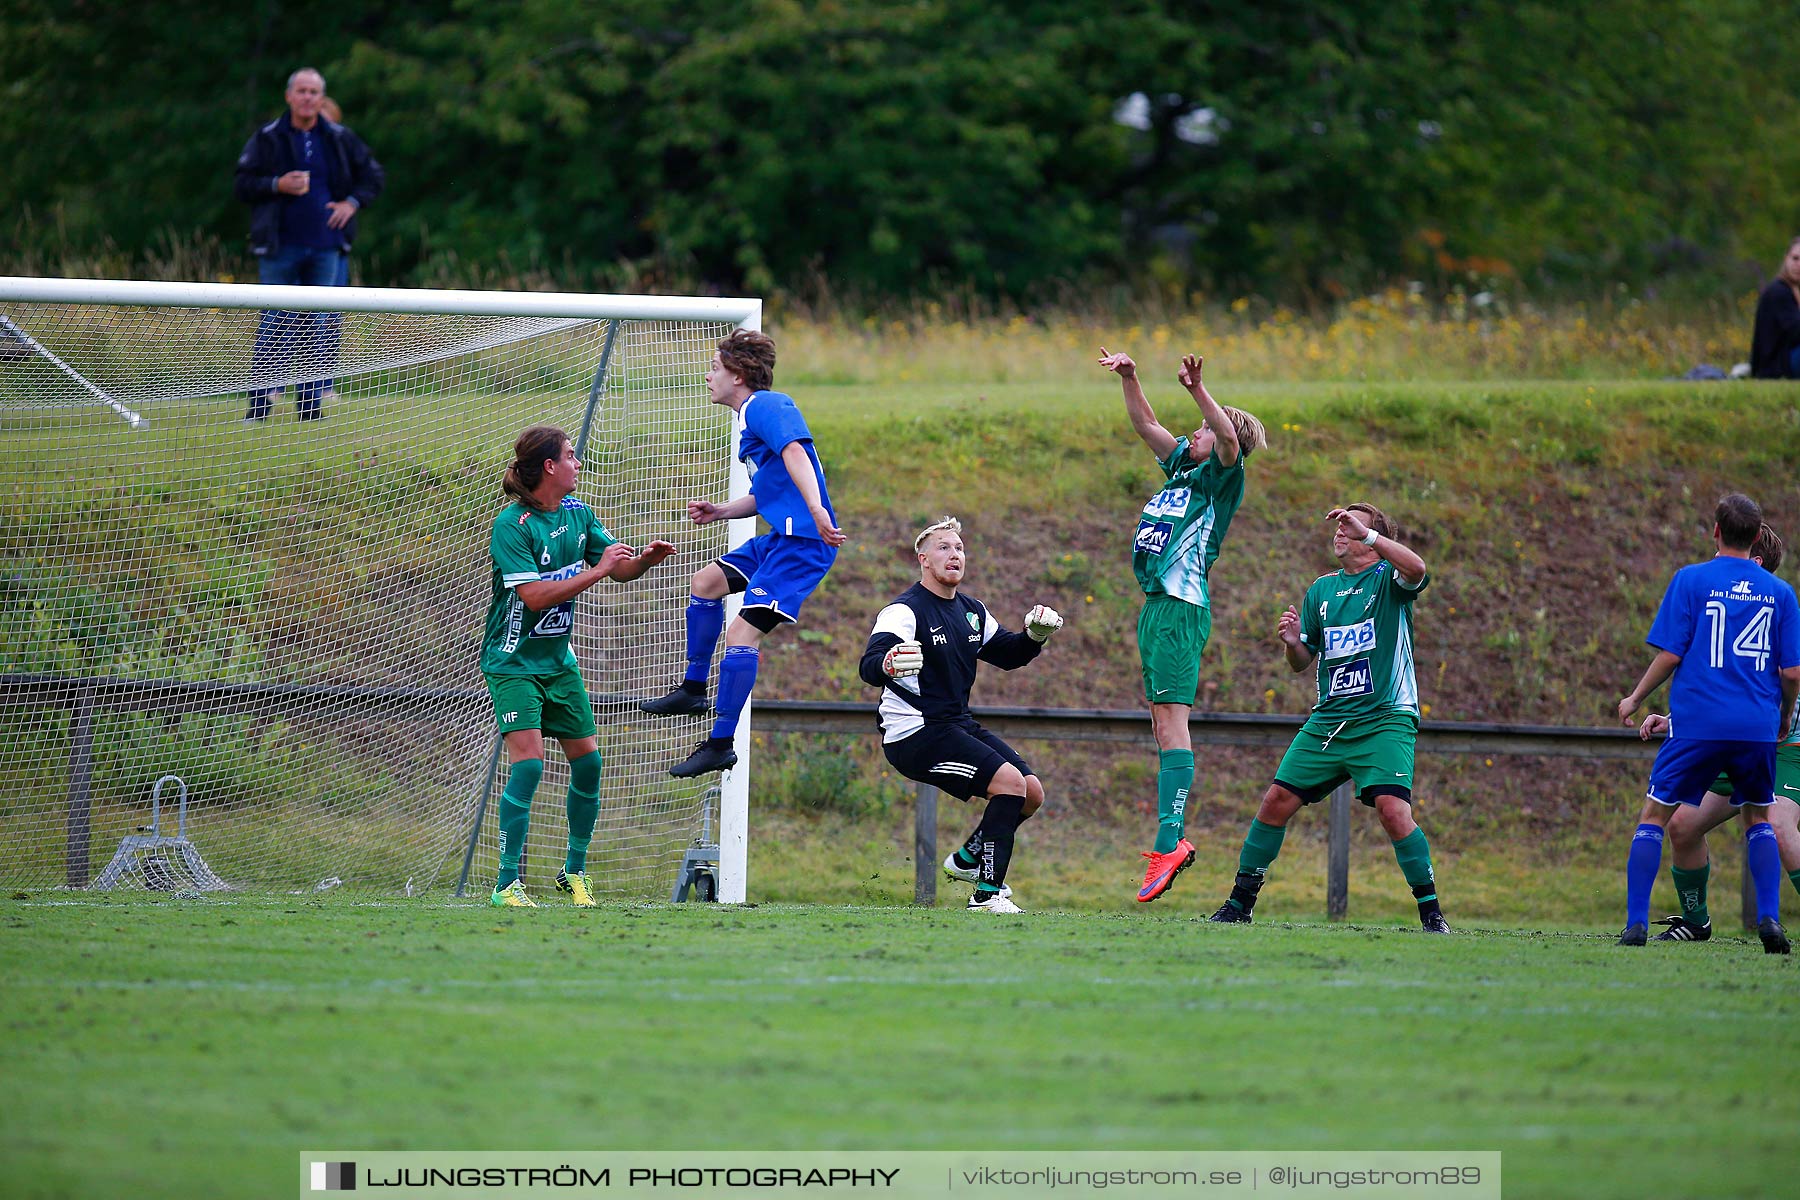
x,y
730,310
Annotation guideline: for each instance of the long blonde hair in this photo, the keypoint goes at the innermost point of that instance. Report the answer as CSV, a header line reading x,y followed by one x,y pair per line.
x,y
1251,435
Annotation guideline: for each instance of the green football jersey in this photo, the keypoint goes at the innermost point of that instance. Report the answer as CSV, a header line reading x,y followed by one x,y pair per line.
x,y
526,546
1360,627
1183,526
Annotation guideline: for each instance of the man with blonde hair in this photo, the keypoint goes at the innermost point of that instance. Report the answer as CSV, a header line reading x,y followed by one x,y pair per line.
x,y
922,654
1178,538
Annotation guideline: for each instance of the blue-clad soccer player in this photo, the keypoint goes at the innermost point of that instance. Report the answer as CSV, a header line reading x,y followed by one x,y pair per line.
x,y
776,571
1729,633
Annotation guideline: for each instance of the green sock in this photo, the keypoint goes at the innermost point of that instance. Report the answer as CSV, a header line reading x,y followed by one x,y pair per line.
x,y
1173,779
1414,854
584,809
1794,878
515,816
1690,889
1261,845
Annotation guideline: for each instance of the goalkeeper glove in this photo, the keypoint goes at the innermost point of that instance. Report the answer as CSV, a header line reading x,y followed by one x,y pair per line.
x,y
903,660
1041,622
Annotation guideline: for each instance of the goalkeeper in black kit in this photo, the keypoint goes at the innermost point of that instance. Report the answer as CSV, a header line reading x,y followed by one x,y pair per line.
x,y
922,655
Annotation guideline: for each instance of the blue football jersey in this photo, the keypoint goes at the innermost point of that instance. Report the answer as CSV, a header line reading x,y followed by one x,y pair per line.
x,y
767,424
1735,627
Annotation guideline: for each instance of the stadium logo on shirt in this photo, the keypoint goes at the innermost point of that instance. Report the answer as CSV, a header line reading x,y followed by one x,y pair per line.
x,y
1350,679
1341,641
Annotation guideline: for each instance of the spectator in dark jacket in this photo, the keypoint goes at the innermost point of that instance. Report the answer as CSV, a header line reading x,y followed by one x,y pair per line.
x,y
305,178
1775,346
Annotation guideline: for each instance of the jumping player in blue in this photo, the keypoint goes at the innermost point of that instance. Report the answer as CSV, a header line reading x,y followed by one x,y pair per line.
x,y
1729,633
776,571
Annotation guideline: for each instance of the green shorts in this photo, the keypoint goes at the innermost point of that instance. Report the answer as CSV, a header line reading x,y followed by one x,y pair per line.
x,y
558,704
1787,775
1376,753
1171,637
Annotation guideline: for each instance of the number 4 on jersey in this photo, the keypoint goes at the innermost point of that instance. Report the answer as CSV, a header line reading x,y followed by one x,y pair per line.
x,y
1754,642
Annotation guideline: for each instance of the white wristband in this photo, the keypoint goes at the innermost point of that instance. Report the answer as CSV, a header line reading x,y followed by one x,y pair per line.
x,y
1369,538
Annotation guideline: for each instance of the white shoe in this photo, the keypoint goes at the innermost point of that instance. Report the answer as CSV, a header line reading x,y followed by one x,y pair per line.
x,y
997,903
968,874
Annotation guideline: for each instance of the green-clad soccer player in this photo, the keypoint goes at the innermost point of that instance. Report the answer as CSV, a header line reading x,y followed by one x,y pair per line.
x,y
547,548
1357,625
1177,540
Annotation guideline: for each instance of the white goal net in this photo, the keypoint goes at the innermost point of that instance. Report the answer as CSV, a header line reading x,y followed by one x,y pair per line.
x,y
285,615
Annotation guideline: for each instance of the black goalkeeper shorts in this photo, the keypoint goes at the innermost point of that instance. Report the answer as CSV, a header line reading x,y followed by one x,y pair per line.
x,y
959,759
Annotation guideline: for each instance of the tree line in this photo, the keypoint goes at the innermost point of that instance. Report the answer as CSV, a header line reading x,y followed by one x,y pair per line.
x,y
877,149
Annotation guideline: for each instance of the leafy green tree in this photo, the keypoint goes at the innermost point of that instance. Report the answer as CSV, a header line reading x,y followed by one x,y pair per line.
x,y
870,149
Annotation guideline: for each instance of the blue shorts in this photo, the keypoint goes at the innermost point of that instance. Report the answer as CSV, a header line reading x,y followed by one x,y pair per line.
x,y
1685,769
778,571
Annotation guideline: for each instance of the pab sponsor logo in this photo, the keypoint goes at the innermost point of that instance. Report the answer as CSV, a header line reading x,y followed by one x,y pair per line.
x,y
1341,641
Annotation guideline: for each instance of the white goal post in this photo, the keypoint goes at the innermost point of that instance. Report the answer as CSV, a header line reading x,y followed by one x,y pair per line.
x,y
286,614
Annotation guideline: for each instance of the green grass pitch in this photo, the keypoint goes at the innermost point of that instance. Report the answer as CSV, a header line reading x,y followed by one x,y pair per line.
x,y
192,1047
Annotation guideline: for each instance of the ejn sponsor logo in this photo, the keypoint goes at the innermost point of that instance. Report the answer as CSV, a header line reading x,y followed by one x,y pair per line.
x,y
333,1177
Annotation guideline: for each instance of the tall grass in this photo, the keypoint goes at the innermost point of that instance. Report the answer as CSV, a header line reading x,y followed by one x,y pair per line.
x,y
1398,335
1402,333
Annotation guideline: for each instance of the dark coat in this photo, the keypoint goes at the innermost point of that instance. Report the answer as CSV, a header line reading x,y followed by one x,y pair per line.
x,y
1777,331
268,155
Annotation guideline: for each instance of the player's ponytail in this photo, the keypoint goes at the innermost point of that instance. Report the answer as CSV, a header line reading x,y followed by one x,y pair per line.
x,y
526,471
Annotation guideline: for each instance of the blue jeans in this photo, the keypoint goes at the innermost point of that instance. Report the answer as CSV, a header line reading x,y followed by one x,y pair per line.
x,y
281,334
1794,363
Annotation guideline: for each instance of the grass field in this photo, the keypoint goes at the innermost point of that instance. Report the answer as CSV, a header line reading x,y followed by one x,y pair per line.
x,y
192,1047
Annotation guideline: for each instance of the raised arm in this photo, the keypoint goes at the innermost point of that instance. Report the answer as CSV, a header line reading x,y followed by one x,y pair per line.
x,y
1137,406
1225,435
704,512
649,556
548,593
1408,566
892,651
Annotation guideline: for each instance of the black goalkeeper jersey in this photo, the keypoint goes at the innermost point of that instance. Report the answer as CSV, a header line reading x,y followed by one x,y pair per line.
x,y
954,634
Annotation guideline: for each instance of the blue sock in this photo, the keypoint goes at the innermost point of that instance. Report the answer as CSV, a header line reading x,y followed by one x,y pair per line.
x,y
1764,862
705,621
737,675
1641,870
